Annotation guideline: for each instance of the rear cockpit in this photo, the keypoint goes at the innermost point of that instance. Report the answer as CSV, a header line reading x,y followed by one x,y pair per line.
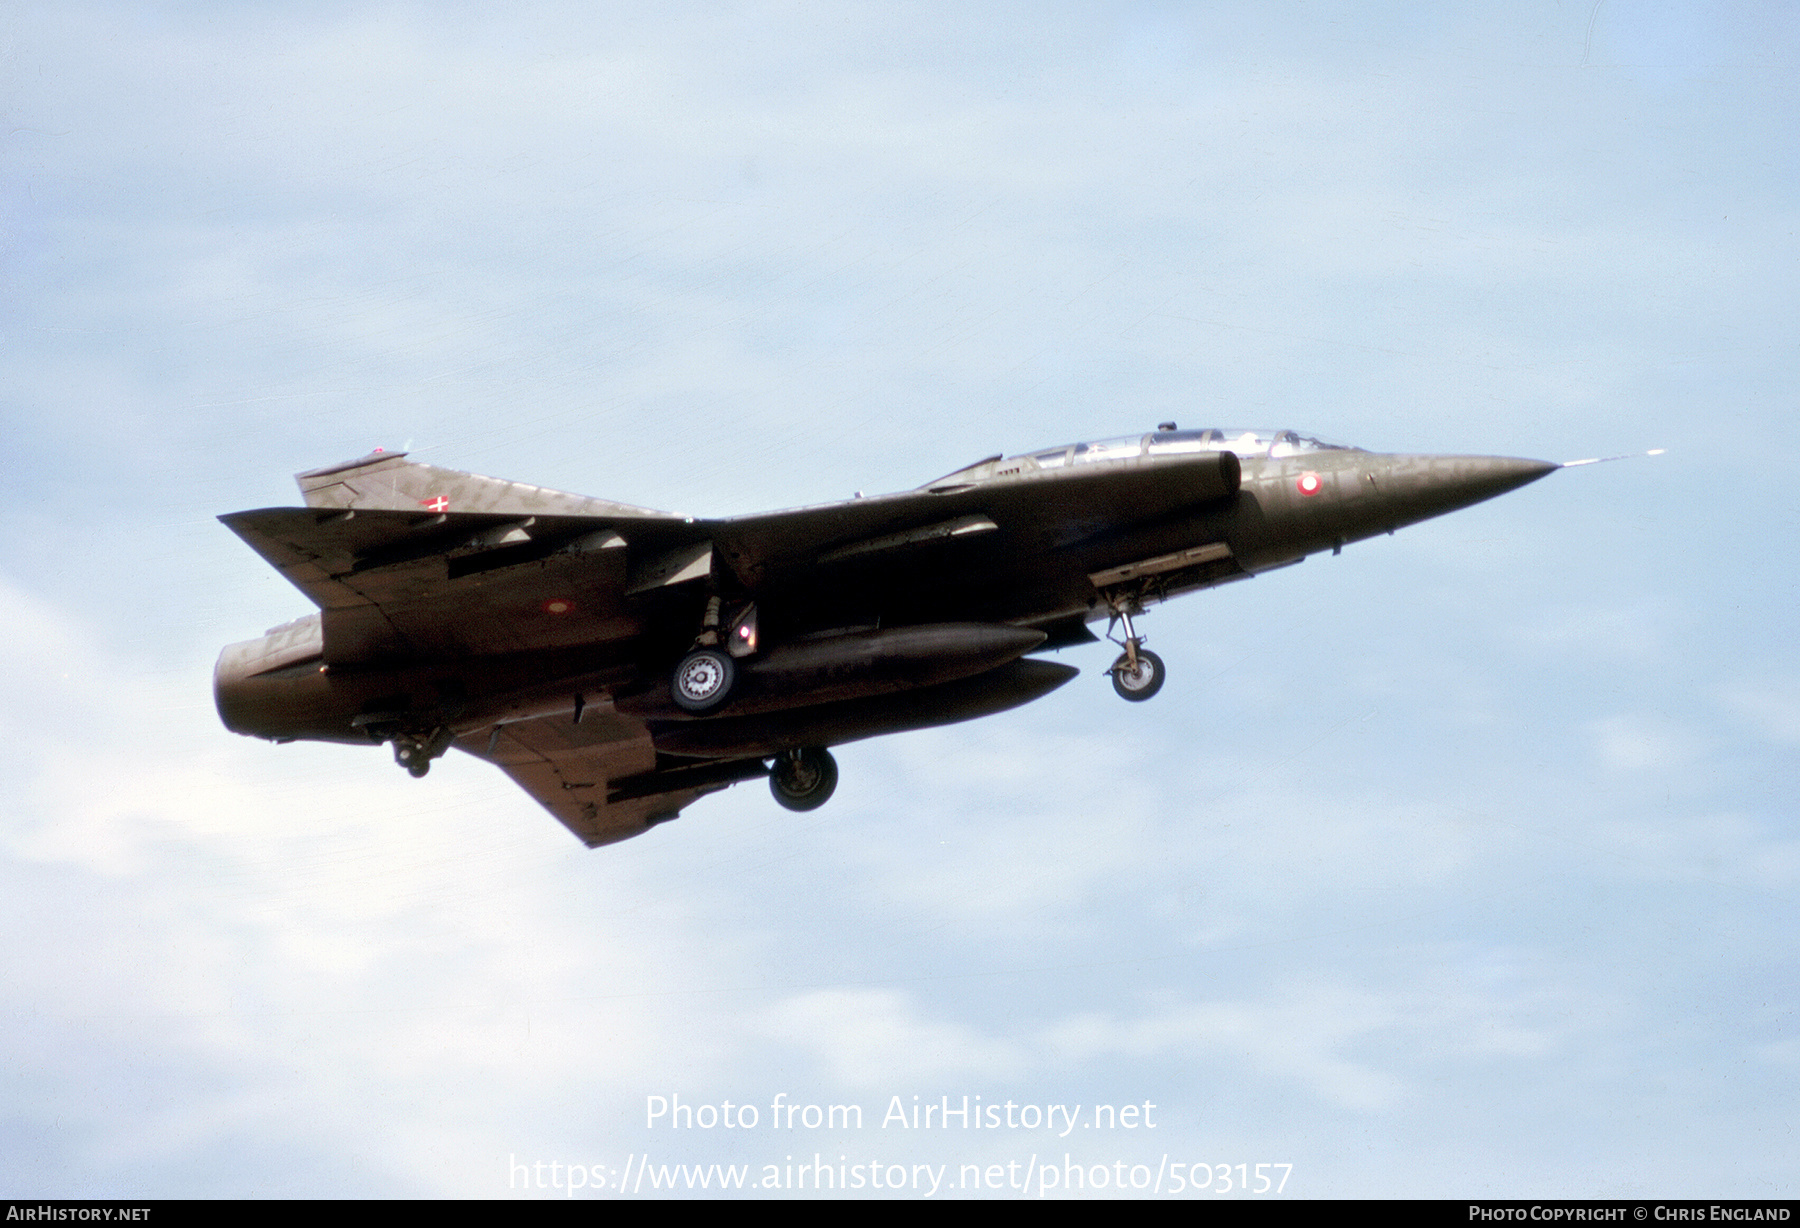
x,y
1248,443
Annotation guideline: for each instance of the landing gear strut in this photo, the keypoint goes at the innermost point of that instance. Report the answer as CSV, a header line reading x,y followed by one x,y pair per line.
x,y
704,679
1138,673
804,779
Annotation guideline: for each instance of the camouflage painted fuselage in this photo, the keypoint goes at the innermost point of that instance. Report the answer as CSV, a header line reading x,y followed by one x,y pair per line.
x,y
539,629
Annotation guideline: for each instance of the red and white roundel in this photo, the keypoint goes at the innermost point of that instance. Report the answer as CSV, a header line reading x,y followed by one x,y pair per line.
x,y
558,605
1310,483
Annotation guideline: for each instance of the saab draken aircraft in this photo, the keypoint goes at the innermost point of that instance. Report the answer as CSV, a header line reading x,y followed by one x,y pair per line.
x,y
619,663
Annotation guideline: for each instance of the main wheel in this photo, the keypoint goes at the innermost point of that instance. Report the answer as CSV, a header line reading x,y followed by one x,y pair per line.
x,y
1143,682
804,779
703,680
410,754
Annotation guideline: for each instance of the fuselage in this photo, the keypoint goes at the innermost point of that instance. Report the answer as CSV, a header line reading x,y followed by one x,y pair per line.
x,y
1284,496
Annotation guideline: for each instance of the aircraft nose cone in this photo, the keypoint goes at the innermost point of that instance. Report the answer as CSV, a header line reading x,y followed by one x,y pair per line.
x,y
1487,476
1419,487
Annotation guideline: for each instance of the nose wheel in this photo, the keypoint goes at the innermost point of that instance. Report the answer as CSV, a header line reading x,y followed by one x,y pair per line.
x,y
1138,673
804,779
1138,680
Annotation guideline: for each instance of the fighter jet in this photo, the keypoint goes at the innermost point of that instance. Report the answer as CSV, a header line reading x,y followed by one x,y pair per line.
x,y
619,662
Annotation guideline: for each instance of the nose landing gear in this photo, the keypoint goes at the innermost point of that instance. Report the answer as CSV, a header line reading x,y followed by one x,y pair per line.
x,y
1139,680
1138,673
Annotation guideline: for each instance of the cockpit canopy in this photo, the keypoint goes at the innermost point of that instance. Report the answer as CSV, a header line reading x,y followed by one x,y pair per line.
x,y
1249,443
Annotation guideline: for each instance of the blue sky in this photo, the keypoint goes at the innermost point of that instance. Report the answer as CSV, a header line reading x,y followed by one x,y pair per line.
x,y
1460,865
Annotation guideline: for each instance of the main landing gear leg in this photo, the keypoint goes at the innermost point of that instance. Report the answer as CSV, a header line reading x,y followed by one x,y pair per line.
x,y
1138,673
705,677
804,779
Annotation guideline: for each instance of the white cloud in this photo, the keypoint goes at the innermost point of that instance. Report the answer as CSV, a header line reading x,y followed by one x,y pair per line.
x,y
1645,744
876,1038
1597,632
1302,1037
1773,708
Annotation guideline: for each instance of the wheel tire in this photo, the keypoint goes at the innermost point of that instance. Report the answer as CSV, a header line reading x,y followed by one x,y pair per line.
x,y
805,780
1147,681
409,753
703,680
